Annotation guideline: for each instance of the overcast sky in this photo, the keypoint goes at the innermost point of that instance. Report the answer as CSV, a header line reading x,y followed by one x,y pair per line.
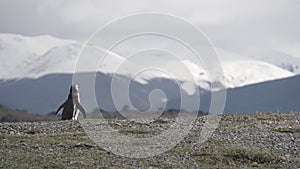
x,y
235,25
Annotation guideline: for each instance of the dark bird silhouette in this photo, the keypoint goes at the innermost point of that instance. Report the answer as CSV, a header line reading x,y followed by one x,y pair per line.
x,y
72,105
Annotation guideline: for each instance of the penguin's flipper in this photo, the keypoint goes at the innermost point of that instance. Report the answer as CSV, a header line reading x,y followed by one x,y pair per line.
x,y
60,107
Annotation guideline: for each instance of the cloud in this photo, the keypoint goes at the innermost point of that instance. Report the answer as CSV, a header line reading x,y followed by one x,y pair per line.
x,y
231,24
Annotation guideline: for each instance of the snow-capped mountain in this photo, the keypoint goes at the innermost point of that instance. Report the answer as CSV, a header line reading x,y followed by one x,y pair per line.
x,y
37,56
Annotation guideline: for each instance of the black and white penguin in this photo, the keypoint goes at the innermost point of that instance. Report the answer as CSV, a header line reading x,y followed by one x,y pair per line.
x,y
72,105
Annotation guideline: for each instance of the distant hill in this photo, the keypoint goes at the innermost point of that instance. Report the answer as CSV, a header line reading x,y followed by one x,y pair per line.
x,y
9,115
274,96
45,94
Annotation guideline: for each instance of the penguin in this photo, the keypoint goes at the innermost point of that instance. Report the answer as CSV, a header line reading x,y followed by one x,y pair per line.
x,y
72,105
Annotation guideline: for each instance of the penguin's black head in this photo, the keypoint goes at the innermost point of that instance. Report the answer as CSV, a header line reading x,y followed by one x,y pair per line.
x,y
74,88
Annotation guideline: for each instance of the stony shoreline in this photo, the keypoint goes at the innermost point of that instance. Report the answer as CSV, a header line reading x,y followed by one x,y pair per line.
x,y
260,140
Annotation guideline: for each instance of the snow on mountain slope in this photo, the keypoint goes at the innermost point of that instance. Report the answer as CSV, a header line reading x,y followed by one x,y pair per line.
x,y
242,70
16,51
280,59
55,60
99,59
238,71
37,56
241,73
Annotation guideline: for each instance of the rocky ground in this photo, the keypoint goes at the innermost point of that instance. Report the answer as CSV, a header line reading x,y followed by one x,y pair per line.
x,y
260,140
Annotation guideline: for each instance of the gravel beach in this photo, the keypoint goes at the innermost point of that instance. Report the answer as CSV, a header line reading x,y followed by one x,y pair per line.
x,y
260,140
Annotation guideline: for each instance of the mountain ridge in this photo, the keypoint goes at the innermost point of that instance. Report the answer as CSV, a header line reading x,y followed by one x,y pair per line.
x,y
47,55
